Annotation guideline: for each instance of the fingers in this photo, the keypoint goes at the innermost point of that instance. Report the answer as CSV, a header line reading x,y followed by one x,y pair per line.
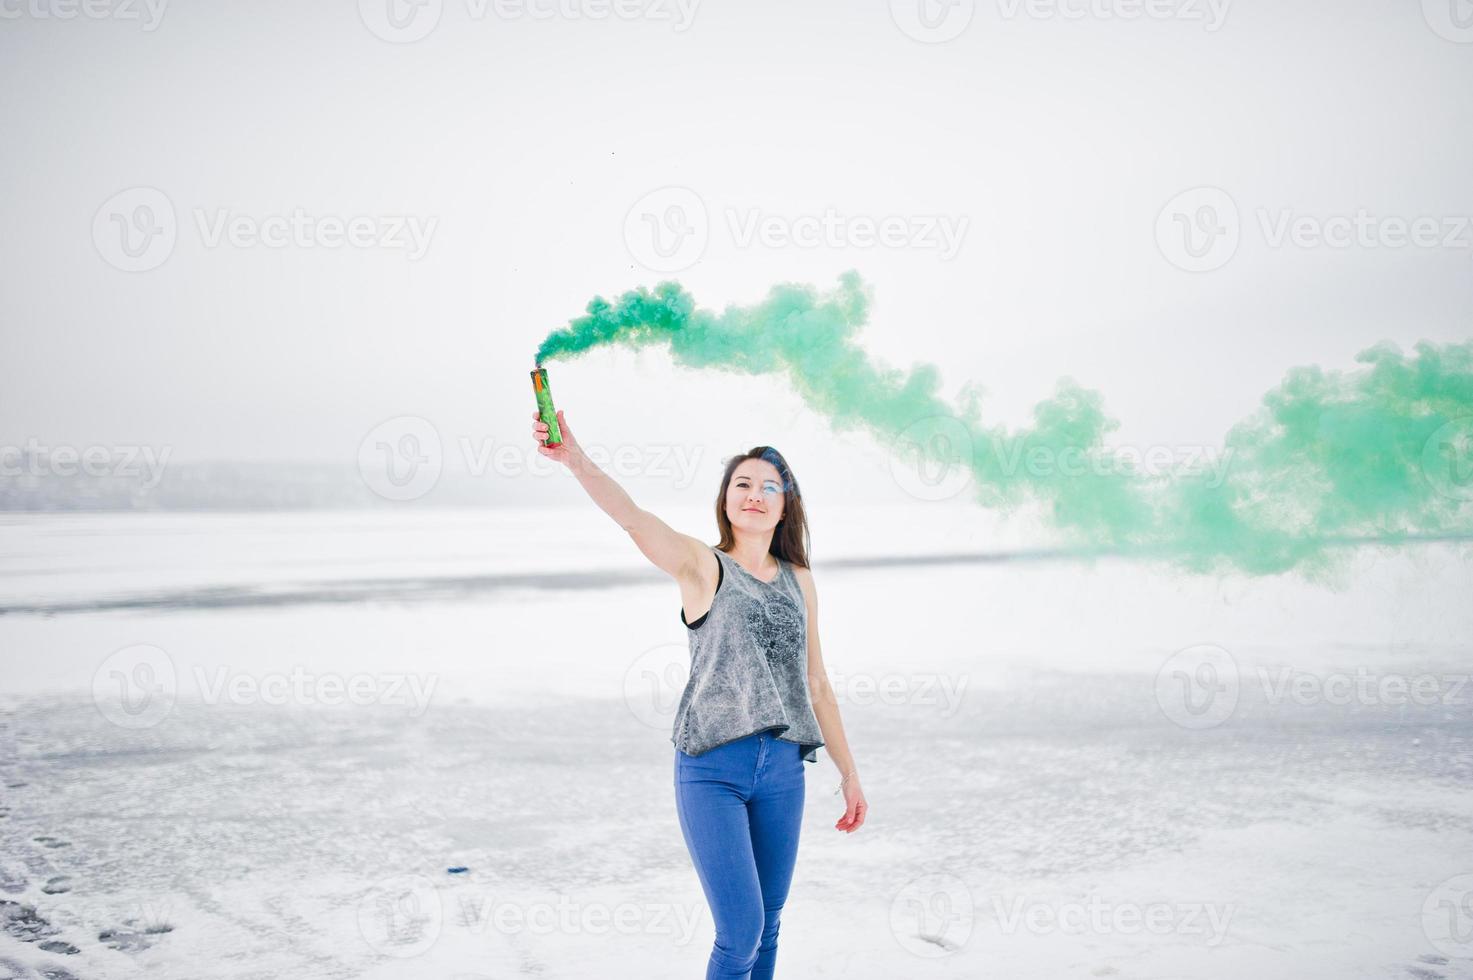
x,y
542,432
853,817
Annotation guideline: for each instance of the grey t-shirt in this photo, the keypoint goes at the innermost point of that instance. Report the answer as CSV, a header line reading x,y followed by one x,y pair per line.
x,y
748,664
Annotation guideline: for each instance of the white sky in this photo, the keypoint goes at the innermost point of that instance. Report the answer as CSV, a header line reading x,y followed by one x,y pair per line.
x,y
529,140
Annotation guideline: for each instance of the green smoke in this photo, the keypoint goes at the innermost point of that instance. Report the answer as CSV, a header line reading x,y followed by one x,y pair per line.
x,y
1379,454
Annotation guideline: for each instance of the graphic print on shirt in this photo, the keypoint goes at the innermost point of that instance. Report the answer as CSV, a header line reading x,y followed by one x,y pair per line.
x,y
776,623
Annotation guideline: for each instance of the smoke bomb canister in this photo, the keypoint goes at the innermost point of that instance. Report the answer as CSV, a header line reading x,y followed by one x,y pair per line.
x,y
544,406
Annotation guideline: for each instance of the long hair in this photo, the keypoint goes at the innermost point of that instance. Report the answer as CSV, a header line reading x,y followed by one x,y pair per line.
x,y
790,539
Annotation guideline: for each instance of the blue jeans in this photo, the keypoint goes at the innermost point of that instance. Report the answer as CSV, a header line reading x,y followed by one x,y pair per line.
x,y
741,807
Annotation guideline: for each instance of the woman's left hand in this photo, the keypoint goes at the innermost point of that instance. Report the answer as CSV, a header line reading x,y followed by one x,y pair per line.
x,y
855,807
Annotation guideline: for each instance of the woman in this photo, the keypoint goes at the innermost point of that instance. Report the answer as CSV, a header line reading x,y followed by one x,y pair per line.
x,y
746,722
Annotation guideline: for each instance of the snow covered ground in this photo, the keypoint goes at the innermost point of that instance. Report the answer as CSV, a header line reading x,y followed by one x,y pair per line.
x,y
253,745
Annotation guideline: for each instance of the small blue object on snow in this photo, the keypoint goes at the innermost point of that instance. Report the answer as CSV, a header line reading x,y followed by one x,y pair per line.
x,y
457,871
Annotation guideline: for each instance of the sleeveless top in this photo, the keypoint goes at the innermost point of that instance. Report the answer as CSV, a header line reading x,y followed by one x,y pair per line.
x,y
748,664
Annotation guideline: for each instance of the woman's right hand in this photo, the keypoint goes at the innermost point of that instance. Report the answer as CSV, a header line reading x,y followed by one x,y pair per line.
x,y
561,453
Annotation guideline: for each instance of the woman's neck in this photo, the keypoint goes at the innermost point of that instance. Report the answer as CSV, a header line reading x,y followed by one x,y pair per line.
x,y
753,552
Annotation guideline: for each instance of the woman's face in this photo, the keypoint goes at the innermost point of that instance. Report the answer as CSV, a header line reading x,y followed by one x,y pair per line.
x,y
754,497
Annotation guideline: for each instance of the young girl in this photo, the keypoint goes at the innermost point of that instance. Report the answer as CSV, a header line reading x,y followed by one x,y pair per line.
x,y
746,722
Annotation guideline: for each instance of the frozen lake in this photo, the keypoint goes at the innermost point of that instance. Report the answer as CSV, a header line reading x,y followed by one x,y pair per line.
x,y
253,746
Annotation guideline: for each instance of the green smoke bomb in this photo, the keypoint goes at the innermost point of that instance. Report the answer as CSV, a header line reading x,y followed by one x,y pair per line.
x,y
544,406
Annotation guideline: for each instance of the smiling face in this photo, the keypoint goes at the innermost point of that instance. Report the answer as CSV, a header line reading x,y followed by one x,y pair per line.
x,y
754,497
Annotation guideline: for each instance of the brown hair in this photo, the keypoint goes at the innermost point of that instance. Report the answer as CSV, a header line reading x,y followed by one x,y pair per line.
x,y
790,539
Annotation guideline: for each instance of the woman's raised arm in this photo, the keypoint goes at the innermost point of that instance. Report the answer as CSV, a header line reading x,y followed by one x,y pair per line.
x,y
670,551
